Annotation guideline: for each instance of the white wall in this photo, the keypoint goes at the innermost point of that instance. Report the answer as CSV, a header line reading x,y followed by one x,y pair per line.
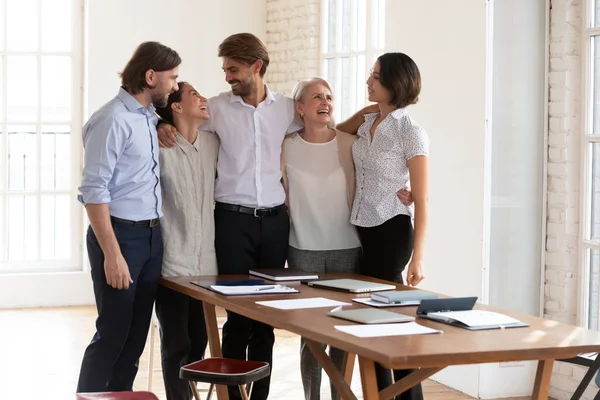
x,y
193,28
449,46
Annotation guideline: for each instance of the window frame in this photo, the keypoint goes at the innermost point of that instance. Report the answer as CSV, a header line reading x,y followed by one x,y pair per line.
x,y
75,262
370,52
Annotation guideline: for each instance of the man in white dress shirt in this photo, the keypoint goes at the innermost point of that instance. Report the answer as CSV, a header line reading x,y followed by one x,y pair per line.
x,y
251,222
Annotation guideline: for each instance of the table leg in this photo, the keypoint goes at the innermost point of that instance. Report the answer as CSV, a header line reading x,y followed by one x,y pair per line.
x,y
368,379
212,328
414,378
347,371
542,380
335,376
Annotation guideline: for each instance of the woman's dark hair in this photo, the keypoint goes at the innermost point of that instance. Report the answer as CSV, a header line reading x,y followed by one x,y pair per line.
x,y
166,112
245,48
148,56
399,74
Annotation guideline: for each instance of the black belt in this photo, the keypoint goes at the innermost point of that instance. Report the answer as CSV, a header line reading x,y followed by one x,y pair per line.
x,y
257,212
149,223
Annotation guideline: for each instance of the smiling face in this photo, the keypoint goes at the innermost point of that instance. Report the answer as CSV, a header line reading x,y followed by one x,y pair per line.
x,y
161,85
316,105
192,104
241,77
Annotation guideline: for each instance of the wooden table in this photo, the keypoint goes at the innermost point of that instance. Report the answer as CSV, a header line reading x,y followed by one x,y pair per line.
x,y
544,340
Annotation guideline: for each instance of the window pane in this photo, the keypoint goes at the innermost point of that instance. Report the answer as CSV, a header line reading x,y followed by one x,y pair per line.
x,y
361,26
361,82
22,160
347,23
377,25
331,43
22,225
56,88
56,25
55,227
348,94
22,25
595,57
55,158
22,97
593,261
594,212
1,24
596,14
1,82
331,75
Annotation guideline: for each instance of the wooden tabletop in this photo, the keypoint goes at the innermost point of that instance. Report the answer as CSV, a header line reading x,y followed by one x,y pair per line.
x,y
544,339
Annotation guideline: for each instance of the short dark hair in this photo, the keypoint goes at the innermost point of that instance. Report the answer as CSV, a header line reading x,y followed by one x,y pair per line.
x,y
166,112
245,48
399,74
148,55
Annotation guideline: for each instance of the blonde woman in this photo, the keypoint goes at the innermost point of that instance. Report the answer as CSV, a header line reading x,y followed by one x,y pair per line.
x,y
318,177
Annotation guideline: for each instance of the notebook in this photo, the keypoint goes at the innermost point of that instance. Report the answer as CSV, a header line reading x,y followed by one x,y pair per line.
x,y
371,316
404,297
282,274
459,312
350,285
244,287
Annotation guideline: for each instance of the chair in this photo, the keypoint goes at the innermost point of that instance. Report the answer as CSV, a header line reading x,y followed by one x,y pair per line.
x,y
592,361
116,396
224,371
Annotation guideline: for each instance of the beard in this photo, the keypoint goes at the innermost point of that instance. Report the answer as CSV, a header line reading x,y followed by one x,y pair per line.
x,y
244,88
159,99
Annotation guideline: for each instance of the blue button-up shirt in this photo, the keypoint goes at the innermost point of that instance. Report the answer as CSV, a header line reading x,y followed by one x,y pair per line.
x,y
121,159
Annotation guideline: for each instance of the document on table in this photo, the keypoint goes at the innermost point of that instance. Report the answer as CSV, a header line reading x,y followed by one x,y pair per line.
x,y
373,303
377,330
294,304
253,289
475,318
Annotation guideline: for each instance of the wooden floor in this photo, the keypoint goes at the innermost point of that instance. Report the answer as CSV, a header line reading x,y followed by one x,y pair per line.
x,y
41,350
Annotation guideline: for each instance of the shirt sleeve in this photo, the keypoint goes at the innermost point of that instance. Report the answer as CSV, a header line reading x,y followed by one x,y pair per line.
x,y
103,142
417,143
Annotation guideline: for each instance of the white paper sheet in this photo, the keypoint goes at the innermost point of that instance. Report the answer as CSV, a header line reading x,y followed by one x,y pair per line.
x,y
475,317
254,289
373,303
378,330
294,304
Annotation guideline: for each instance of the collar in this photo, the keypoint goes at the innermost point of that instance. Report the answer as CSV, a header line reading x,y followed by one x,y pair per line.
x,y
398,113
131,102
270,97
186,146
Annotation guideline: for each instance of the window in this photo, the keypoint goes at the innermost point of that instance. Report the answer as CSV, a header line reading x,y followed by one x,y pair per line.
x,y
40,108
353,37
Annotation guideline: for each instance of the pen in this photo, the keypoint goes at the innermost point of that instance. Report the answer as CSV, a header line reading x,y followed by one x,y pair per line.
x,y
338,308
265,288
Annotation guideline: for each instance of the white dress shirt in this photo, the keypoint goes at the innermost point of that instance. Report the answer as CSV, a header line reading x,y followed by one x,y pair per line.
x,y
382,166
249,164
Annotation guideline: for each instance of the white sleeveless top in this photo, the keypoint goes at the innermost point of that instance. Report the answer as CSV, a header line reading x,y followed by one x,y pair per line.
x,y
320,217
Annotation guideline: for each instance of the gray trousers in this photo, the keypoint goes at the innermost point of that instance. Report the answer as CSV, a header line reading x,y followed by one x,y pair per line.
x,y
314,261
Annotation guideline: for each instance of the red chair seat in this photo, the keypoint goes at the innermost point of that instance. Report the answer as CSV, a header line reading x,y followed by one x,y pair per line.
x,y
117,396
225,371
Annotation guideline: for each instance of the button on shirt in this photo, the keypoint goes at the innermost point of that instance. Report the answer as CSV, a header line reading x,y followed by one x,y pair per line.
x,y
188,227
382,166
121,165
249,164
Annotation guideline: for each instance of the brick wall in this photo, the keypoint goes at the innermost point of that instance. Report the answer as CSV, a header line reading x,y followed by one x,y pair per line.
x,y
293,40
566,100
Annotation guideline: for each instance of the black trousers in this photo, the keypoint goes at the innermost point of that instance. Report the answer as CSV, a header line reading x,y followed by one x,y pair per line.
x,y
387,249
243,242
110,362
183,338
